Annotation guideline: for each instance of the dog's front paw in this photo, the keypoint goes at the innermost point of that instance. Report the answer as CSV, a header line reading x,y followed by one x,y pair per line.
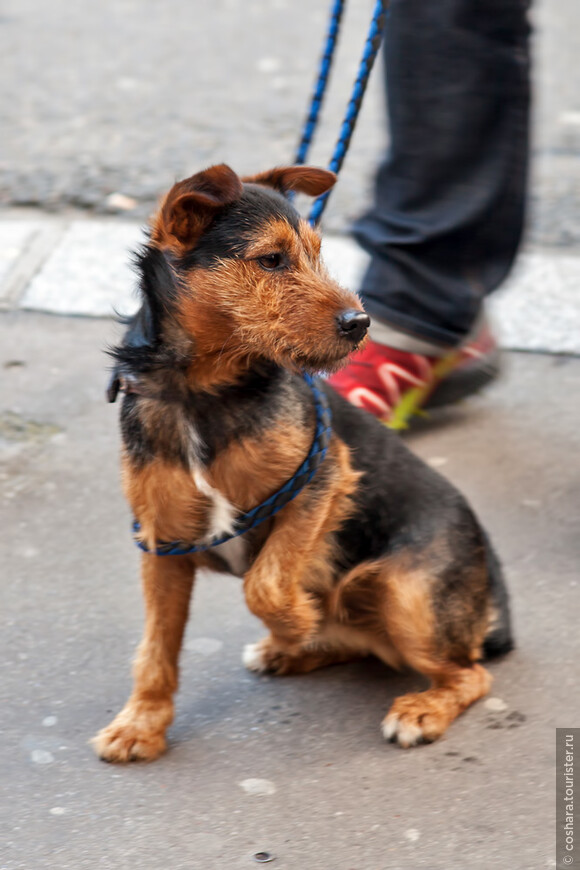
x,y
267,656
136,734
253,657
416,718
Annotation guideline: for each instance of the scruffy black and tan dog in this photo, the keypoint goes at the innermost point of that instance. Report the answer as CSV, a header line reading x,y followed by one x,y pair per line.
x,y
376,554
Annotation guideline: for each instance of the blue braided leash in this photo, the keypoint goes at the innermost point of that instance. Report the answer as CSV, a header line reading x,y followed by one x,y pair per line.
x,y
275,502
370,51
320,87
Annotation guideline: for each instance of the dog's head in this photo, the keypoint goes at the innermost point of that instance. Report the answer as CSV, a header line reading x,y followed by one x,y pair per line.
x,y
248,278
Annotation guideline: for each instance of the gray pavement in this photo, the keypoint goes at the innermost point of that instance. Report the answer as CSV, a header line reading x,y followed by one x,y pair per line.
x,y
331,794
122,96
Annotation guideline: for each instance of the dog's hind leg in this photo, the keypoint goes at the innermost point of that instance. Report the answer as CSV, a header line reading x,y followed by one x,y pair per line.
x,y
446,651
393,603
138,732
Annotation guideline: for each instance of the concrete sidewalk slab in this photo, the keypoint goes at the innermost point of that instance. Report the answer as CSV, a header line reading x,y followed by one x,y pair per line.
x,y
292,766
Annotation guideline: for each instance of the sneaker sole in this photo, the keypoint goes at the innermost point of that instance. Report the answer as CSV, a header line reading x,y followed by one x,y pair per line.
x,y
464,381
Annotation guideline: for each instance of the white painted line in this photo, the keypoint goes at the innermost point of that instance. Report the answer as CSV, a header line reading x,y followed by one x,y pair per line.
x,y
89,272
570,118
538,307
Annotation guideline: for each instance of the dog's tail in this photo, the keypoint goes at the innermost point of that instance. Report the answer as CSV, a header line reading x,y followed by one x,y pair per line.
x,y
499,638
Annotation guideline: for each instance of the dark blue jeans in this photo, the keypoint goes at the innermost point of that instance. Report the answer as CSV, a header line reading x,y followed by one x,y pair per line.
x,y
449,201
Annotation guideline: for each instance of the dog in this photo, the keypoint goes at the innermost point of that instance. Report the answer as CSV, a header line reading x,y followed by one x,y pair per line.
x,y
369,552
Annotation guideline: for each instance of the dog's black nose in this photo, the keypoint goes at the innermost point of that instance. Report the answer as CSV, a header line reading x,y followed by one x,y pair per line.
x,y
353,324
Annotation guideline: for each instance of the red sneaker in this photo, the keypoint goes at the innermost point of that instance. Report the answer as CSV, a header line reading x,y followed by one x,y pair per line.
x,y
395,384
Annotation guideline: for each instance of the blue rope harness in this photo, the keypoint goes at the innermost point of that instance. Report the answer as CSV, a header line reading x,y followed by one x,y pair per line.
x,y
370,51
275,502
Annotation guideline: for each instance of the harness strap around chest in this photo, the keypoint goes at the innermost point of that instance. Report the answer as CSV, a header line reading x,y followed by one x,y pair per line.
x,y
268,508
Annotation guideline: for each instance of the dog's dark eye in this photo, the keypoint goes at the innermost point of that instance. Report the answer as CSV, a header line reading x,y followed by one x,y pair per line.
x,y
270,261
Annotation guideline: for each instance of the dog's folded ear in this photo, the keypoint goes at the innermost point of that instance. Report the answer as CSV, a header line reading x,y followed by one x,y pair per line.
x,y
191,204
302,179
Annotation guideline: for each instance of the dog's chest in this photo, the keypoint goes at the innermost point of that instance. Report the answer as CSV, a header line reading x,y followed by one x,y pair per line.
x,y
235,554
222,515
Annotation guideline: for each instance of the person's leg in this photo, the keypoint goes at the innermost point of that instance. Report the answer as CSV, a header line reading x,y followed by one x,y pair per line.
x,y
449,207
449,199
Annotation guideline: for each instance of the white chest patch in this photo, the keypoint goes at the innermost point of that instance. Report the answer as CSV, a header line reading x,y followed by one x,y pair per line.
x,y
223,513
